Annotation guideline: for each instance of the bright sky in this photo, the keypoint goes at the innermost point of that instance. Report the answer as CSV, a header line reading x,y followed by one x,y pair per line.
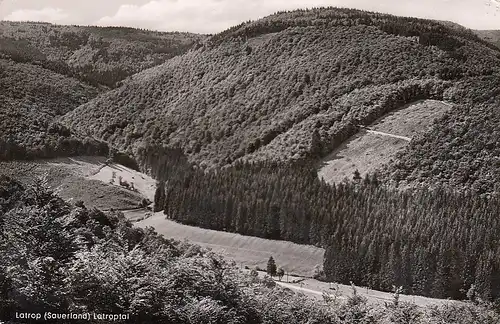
x,y
211,16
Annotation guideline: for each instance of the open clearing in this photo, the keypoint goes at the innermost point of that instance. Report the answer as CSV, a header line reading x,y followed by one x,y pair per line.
x,y
144,184
85,178
375,146
244,250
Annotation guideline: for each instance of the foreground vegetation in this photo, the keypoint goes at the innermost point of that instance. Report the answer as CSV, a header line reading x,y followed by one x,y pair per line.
x,y
62,258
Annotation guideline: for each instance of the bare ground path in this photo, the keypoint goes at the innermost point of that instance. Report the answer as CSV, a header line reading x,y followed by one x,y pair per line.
x,y
316,289
388,135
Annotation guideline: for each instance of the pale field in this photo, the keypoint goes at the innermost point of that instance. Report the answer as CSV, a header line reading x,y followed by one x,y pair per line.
x,y
367,151
86,179
244,250
144,184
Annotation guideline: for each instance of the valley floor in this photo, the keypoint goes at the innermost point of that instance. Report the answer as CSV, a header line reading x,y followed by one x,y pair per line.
x,y
244,250
251,252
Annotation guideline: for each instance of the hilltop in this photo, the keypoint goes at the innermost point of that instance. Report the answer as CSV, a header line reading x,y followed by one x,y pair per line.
x,y
492,36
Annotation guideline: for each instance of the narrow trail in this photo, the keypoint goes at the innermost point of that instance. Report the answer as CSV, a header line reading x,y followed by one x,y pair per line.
x,y
372,295
311,291
368,130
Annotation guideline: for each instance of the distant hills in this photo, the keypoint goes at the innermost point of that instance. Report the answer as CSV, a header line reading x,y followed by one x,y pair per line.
x,y
492,36
48,70
97,55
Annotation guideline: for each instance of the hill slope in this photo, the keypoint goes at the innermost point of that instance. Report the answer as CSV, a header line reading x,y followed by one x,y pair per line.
x,y
294,85
98,55
492,36
48,70
462,148
30,100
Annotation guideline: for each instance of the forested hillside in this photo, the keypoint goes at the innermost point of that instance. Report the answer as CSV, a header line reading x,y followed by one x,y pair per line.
x,y
31,97
48,70
431,242
294,86
231,129
63,259
462,149
100,56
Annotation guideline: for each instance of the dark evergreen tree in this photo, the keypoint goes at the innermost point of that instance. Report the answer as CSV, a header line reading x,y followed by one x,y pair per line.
x,y
271,267
356,176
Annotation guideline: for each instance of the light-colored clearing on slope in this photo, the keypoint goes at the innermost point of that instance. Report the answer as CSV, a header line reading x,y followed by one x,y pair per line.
x,y
371,148
388,135
84,178
144,184
244,250
412,119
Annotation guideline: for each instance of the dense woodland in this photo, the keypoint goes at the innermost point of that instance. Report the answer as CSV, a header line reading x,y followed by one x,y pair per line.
x,y
462,148
31,99
100,56
432,242
65,258
295,85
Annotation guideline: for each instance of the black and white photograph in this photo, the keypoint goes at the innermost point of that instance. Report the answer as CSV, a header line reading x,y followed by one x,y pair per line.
x,y
250,161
